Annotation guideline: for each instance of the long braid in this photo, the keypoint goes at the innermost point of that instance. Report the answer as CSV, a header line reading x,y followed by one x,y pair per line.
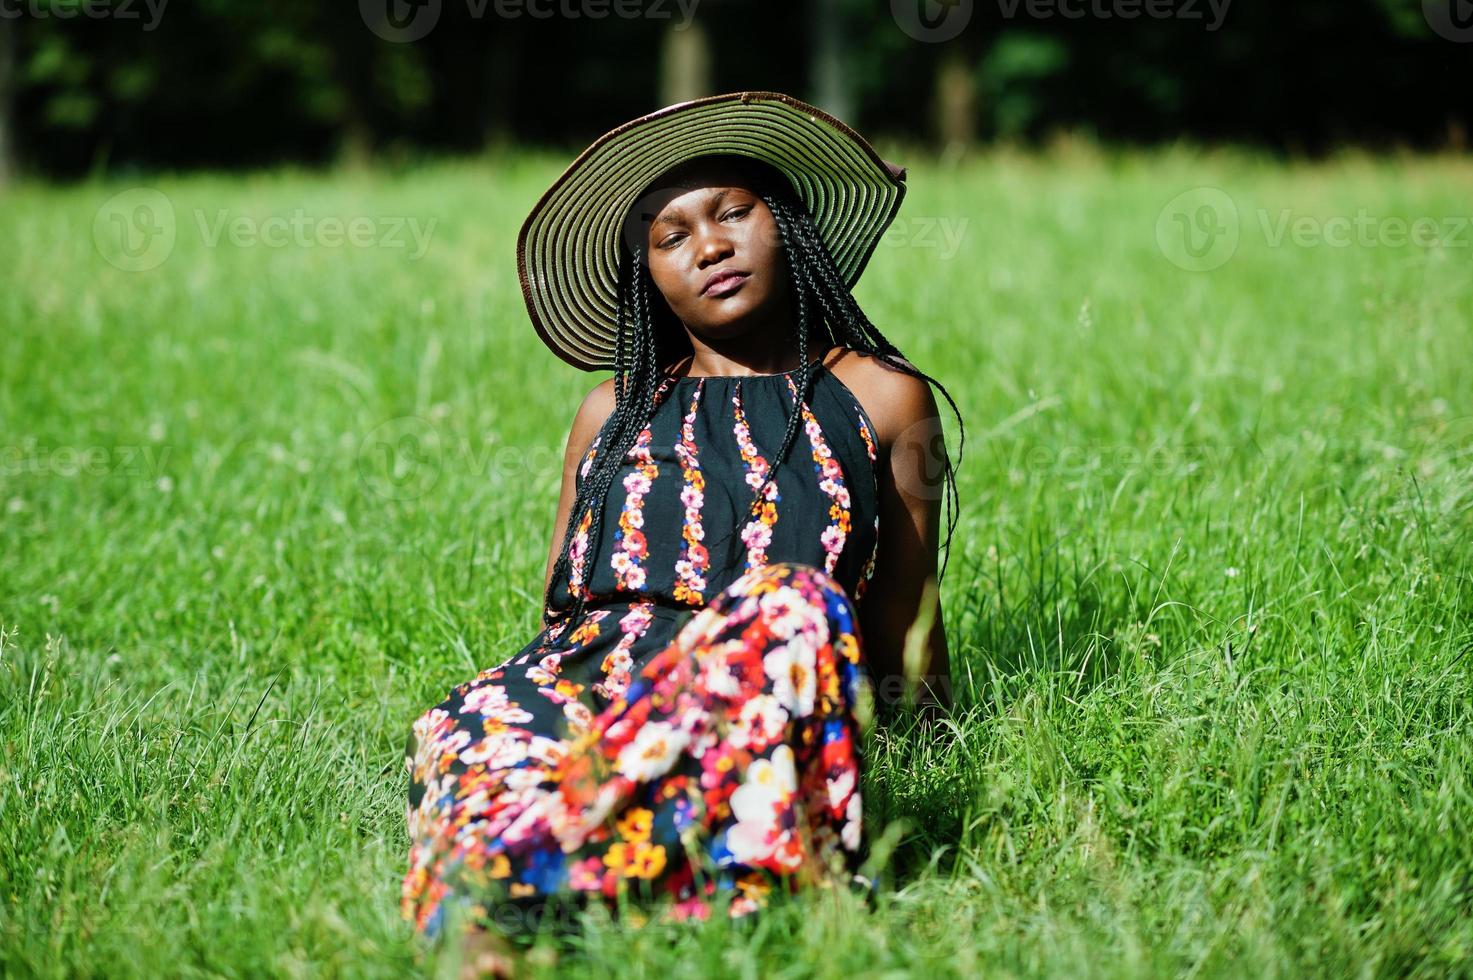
x,y
635,384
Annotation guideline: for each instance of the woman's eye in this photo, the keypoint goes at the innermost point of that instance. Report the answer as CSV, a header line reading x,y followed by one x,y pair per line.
x,y
674,238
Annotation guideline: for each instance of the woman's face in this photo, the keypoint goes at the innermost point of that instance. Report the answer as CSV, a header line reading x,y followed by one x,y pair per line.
x,y
719,227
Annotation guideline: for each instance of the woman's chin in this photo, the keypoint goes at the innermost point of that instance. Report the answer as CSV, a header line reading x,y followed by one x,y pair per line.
x,y
732,323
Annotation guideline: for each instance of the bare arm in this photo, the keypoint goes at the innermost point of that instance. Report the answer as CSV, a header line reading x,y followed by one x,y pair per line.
x,y
597,405
911,491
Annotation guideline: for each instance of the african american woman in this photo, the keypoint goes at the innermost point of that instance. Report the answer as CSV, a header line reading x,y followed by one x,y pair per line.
x,y
745,542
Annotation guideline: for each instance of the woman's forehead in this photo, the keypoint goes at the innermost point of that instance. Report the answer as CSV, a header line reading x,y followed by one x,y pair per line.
x,y
713,176
727,169
710,173
675,201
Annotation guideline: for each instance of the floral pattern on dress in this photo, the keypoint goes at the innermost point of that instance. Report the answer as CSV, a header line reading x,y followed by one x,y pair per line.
x,y
578,553
690,567
630,546
699,755
831,481
546,671
618,663
740,733
757,534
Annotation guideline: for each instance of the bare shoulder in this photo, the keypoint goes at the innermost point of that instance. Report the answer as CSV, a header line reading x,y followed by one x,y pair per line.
x,y
592,413
599,401
893,399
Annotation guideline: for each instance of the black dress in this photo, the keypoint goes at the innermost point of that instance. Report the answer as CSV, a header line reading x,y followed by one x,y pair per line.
x,y
692,733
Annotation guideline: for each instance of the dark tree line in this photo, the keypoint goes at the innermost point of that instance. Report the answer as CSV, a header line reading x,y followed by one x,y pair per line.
x,y
223,83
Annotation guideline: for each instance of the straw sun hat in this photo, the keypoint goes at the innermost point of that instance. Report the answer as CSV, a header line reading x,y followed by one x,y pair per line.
x,y
568,248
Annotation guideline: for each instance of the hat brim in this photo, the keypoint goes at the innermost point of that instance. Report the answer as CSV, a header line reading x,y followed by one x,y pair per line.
x,y
568,247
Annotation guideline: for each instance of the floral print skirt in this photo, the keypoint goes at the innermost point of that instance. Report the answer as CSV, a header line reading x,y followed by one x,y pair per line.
x,y
726,768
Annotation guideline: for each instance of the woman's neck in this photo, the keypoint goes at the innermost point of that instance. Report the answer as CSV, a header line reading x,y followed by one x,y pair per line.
x,y
709,364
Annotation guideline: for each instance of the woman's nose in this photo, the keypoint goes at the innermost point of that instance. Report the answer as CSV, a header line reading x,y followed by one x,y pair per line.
x,y
715,246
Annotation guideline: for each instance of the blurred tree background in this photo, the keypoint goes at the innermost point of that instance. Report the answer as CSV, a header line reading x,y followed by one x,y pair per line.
x,y
97,85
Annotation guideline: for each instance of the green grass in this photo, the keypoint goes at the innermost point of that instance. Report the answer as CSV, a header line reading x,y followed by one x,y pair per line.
x,y
1209,602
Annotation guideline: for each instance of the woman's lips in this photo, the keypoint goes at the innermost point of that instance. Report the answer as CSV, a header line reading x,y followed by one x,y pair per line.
x,y
728,285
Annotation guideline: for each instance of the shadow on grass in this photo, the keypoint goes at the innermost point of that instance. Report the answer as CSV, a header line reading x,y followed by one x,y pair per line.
x,y
1047,623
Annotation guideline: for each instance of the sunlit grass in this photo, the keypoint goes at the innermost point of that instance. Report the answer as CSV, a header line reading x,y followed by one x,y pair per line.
x,y
1209,602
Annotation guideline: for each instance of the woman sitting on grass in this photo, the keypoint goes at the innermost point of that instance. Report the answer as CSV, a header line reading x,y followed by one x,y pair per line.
x,y
749,528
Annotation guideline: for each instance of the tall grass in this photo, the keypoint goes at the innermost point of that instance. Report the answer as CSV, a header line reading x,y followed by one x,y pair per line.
x,y
1209,603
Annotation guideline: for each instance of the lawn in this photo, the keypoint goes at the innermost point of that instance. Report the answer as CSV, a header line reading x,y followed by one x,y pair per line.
x,y
281,472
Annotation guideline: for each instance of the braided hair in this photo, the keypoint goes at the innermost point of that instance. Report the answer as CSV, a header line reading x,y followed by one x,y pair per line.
x,y
656,337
